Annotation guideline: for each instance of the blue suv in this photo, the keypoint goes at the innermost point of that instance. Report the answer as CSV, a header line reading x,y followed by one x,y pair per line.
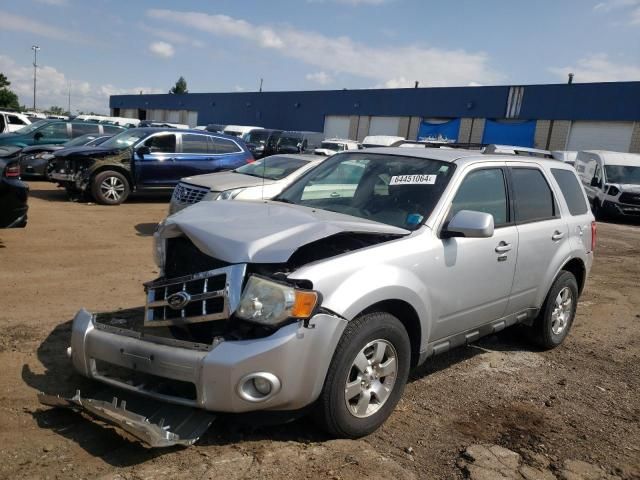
x,y
144,158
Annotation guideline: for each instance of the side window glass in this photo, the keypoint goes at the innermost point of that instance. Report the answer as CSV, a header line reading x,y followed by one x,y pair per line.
x,y
162,143
533,197
13,120
78,129
571,191
483,191
194,143
54,130
222,145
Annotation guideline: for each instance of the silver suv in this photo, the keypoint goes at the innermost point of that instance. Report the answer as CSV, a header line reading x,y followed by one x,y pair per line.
x,y
327,296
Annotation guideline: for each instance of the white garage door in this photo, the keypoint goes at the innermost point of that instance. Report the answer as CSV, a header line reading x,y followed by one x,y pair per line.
x,y
384,125
615,136
336,126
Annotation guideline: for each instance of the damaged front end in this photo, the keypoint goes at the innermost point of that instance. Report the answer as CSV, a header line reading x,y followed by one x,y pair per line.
x,y
227,332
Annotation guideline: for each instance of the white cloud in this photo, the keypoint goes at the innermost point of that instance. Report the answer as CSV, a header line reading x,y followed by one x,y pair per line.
x,y
162,49
17,23
322,78
609,5
172,37
430,65
238,88
55,3
598,68
354,3
53,88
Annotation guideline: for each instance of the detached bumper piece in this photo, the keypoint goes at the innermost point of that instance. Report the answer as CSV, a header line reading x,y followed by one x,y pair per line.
x,y
156,424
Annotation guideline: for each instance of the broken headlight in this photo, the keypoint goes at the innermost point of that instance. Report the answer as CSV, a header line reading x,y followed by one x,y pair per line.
x,y
271,303
159,250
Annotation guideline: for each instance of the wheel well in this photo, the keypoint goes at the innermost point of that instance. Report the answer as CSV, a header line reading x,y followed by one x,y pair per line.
x,y
408,317
576,267
114,168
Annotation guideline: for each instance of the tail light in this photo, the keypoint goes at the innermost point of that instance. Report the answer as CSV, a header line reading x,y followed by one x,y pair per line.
x,y
594,233
250,159
12,170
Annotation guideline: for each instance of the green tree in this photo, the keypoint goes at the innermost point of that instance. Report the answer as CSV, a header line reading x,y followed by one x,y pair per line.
x,y
55,110
8,99
180,86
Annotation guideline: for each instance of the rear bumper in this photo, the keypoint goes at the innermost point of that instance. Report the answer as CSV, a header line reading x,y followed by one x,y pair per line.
x,y
298,357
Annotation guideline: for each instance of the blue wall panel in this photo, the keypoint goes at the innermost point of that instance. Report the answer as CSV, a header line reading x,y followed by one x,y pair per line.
x,y
509,133
447,131
305,110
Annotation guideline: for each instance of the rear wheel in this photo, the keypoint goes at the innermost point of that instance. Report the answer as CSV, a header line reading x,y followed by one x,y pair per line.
x,y
558,311
110,188
366,377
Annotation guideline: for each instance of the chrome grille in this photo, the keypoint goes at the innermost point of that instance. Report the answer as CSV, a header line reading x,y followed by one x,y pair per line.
x,y
204,296
630,198
188,194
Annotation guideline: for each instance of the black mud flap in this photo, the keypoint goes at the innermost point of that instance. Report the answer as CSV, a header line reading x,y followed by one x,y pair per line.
x,y
155,423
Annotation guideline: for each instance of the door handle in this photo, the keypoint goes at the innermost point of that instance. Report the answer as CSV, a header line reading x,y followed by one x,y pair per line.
x,y
503,247
334,195
557,236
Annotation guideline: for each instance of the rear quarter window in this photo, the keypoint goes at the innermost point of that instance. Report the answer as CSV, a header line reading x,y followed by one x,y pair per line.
x,y
571,191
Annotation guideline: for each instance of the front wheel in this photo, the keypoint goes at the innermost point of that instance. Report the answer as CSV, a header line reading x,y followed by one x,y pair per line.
x,y
110,188
366,377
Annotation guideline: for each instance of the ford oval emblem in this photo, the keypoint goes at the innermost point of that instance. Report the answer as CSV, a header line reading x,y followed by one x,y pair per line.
x,y
178,300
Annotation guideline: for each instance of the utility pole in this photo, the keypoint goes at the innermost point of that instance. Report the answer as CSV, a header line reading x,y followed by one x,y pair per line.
x,y
35,49
69,104
261,84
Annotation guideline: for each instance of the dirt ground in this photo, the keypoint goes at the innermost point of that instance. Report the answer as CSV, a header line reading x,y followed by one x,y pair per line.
x,y
580,401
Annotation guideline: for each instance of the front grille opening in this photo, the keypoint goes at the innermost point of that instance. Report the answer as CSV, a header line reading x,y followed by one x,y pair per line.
x,y
146,382
184,258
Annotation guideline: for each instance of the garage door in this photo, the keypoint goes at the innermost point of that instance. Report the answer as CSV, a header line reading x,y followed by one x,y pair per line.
x,y
384,126
336,126
614,136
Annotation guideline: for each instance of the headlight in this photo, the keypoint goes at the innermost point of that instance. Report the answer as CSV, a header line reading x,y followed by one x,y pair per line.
x,y
271,303
613,191
159,251
229,194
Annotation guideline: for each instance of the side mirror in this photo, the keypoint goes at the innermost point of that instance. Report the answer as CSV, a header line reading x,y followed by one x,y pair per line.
x,y
469,224
142,151
595,182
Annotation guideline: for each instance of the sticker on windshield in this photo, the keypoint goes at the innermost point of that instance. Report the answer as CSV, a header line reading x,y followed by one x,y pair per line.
x,y
413,180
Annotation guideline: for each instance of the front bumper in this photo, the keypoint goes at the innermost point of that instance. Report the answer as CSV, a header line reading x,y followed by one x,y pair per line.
x,y
63,177
621,209
297,356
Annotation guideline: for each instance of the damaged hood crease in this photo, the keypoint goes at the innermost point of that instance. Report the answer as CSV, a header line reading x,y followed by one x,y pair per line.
x,y
261,232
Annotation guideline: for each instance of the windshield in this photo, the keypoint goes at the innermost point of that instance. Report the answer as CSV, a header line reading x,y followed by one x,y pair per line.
x,y
623,174
256,136
272,168
396,190
290,141
125,139
338,147
32,127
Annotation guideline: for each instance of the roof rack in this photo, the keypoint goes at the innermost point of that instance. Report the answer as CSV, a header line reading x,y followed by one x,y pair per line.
x,y
496,149
427,144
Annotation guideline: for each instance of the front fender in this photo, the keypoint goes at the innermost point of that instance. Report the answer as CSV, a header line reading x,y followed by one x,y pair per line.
x,y
370,285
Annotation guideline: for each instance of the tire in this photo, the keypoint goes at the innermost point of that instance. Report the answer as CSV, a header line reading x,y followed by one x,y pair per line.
x,y
598,211
110,188
552,325
372,334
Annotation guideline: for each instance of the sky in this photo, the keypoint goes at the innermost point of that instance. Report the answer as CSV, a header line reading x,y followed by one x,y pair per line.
x,y
99,48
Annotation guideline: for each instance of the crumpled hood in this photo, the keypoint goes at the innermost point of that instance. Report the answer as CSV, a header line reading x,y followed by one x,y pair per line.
x,y
218,182
87,152
324,151
41,148
628,187
261,231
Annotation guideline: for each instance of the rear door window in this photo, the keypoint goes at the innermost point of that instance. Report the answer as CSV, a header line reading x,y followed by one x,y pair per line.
x,y
533,197
194,143
571,191
222,145
15,120
54,130
483,191
78,129
111,129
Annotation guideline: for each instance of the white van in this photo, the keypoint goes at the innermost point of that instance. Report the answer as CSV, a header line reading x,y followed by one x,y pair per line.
x,y
12,121
239,130
611,180
380,140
